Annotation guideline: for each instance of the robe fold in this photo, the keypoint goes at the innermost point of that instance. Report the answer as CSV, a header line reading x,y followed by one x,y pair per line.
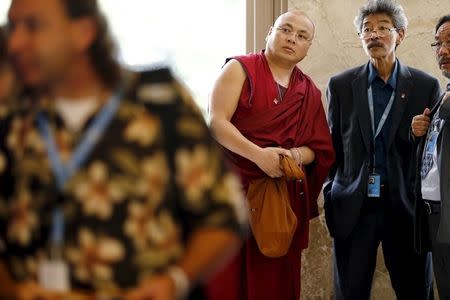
x,y
298,119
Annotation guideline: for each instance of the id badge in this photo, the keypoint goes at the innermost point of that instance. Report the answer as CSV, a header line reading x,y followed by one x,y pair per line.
x,y
54,275
373,187
431,143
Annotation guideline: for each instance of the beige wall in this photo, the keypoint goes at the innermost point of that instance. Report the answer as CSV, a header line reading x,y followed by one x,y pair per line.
x,y
335,48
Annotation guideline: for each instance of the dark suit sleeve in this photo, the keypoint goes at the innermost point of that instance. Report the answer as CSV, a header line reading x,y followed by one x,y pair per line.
x,y
334,125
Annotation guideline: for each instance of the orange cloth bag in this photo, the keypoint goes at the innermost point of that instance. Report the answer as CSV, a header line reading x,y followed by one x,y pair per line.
x,y
272,220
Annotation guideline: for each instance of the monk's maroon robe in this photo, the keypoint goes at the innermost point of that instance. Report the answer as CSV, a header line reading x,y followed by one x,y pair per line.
x,y
297,120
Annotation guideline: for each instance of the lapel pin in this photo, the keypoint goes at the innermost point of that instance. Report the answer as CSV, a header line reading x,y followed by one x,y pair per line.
x,y
403,96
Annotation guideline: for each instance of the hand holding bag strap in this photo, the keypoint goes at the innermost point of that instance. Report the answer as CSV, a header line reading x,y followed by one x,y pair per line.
x,y
291,170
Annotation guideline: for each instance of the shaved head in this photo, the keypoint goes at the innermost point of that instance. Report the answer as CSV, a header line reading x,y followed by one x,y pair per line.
x,y
294,13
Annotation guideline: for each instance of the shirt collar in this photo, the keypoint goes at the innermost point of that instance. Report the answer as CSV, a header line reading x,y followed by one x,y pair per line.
x,y
392,81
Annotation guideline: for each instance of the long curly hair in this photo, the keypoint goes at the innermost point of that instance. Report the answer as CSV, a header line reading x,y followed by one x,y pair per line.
x,y
102,52
3,55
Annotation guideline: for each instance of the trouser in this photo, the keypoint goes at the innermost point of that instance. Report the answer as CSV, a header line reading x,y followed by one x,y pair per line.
x,y
355,256
441,255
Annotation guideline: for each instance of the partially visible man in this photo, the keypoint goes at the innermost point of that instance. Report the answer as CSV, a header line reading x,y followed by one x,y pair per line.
x,y
263,105
433,177
369,198
111,184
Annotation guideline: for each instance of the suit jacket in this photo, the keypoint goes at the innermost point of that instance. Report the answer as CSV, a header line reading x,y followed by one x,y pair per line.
x,y
422,239
350,125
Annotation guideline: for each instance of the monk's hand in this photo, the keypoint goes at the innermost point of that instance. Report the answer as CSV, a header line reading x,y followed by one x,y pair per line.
x,y
420,123
268,160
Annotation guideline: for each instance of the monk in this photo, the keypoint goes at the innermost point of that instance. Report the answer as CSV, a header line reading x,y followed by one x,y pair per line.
x,y
263,106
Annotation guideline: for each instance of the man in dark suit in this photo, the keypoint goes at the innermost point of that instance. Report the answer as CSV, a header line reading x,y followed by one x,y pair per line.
x,y
433,171
369,195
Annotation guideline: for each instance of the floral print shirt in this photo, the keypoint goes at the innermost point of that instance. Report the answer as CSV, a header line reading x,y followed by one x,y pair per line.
x,y
155,176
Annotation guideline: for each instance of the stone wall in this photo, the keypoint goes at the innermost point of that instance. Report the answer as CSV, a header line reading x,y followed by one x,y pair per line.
x,y
335,48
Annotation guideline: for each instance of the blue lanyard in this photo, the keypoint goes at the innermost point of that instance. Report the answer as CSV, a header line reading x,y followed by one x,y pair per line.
x,y
63,172
57,230
377,131
93,133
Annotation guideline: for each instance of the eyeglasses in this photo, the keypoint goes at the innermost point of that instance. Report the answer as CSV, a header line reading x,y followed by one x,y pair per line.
x,y
436,46
380,32
286,31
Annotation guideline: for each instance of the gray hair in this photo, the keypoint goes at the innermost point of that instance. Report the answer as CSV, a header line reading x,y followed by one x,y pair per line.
x,y
389,7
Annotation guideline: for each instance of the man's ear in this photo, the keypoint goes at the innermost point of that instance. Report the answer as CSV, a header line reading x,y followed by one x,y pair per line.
x,y
84,33
401,36
269,33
